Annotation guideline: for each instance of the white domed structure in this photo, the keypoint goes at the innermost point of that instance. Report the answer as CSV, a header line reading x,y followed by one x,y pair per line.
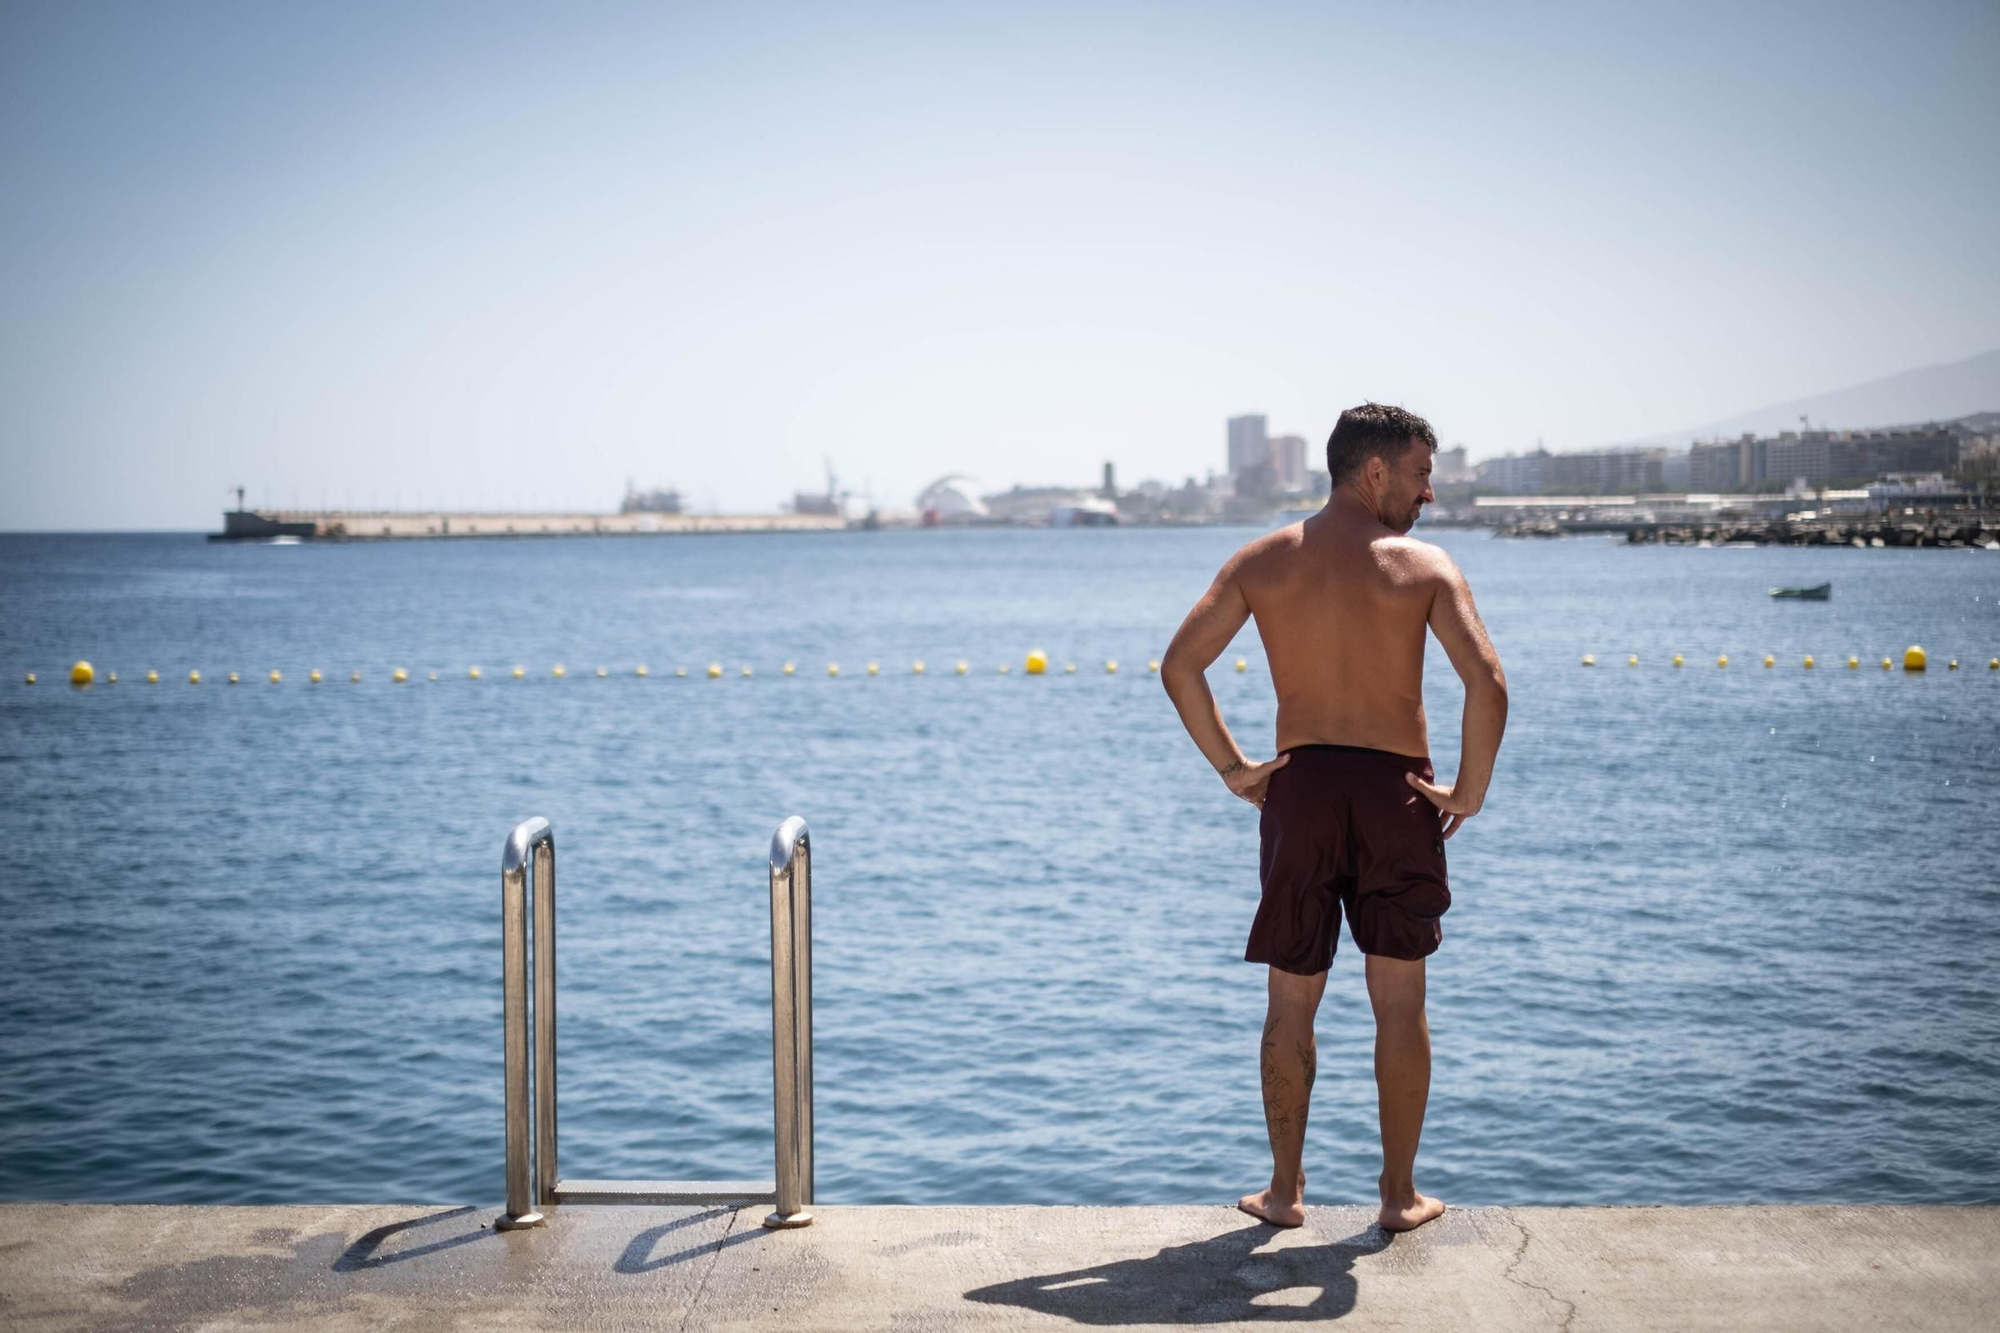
x,y
951,499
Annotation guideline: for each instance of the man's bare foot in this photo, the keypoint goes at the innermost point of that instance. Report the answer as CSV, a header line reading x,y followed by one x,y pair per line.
x,y
1277,1209
1407,1212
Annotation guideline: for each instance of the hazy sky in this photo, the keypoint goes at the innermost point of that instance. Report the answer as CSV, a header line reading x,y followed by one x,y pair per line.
x,y
509,256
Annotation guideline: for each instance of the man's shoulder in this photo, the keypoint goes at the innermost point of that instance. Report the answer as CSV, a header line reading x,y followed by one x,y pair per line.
x,y
1416,556
1267,549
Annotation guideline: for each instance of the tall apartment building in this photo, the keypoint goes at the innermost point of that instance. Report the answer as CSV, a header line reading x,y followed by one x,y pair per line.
x,y
1249,443
1288,461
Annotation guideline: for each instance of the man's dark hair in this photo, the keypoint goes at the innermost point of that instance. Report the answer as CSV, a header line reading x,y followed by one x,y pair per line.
x,y
1369,431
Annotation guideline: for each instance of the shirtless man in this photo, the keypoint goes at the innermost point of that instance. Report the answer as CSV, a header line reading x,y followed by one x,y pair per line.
x,y
1351,815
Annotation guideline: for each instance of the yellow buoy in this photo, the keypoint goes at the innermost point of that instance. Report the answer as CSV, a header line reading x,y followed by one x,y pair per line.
x,y
152,678
234,679
520,673
714,670
558,671
1037,663
82,674
1069,668
1952,665
354,677
833,668
874,668
194,677
1887,665
790,668
399,675
746,671
962,667
1153,665
1242,664
1006,667
602,673
1809,661
639,670
681,672
31,678
276,677
1589,660
1723,660
472,673
1853,663
1769,660
1993,664
1111,667
917,667
1632,659
112,677
1915,659
313,675
1679,660
434,676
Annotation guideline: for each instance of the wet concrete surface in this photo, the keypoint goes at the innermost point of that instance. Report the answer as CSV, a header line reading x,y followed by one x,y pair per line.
x,y
90,1266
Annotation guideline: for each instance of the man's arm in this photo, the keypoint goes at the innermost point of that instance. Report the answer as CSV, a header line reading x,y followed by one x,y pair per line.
x,y
1200,640
1456,623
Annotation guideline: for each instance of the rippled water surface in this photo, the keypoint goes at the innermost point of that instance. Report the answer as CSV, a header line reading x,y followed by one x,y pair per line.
x,y
1720,935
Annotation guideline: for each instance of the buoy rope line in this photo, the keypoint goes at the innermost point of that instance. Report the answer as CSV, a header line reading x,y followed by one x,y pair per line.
x,y
1037,663
1913,659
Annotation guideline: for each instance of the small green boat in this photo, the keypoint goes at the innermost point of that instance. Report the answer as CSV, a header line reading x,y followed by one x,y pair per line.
x,y
1818,594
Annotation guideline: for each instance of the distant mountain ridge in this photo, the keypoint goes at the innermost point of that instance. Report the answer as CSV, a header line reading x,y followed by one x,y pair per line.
x,y
1930,393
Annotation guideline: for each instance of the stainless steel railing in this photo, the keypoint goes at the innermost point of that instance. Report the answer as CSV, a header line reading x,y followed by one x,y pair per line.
x,y
791,1022
529,1184
533,1182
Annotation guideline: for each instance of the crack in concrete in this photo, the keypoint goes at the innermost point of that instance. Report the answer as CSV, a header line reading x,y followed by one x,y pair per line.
x,y
1569,1306
701,1287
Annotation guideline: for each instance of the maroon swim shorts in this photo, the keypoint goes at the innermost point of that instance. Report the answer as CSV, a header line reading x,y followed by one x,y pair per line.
x,y
1341,828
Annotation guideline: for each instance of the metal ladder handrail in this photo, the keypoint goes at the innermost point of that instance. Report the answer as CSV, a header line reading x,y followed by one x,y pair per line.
x,y
533,1182
533,839
791,1022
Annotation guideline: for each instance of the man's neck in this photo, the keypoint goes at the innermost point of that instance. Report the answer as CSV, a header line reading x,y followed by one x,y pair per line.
x,y
1348,506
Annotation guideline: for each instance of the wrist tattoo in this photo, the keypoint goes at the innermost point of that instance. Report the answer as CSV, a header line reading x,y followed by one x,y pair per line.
x,y
1235,768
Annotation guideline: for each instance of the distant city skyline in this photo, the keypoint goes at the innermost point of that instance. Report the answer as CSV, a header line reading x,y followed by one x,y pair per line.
x,y
498,256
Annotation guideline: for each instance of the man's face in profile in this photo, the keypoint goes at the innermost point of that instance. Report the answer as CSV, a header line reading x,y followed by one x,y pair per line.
x,y
1409,487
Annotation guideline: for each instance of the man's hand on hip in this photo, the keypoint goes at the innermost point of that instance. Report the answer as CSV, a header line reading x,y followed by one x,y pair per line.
x,y
1453,809
1249,780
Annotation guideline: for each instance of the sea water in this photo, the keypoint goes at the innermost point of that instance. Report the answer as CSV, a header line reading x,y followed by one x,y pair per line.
x,y
1719,935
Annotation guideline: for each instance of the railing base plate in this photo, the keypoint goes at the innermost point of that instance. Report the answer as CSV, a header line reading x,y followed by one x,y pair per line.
x,y
665,1191
785,1221
522,1223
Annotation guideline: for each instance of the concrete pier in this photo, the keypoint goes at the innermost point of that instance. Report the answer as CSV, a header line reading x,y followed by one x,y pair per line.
x,y
255,525
87,1266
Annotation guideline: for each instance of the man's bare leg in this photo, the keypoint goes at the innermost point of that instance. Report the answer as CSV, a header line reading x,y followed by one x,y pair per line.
x,y
1402,1086
1289,1060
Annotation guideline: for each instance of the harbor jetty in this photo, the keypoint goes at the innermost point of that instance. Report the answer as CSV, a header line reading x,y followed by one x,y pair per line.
x,y
336,1267
1913,530
263,525
1959,530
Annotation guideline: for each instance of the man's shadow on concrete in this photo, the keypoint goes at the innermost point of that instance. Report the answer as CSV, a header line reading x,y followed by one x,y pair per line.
x,y
1203,1282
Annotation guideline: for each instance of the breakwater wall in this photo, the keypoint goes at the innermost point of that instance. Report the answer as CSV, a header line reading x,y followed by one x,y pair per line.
x,y
1942,530
339,525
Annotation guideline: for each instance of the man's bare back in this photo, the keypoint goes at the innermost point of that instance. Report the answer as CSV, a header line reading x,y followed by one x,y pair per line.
x,y
1342,602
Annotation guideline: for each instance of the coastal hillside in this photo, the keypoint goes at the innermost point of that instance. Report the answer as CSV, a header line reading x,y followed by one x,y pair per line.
x,y
1929,393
